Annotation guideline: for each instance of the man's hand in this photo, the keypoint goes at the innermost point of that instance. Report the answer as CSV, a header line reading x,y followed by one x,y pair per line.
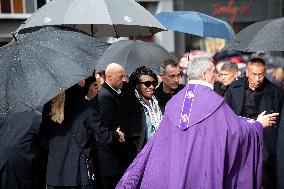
x,y
121,135
267,120
93,90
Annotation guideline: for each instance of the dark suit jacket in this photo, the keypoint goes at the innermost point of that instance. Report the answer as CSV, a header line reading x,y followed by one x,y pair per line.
x,y
19,151
66,161
163,97
220,89
280,154
271,100
109,154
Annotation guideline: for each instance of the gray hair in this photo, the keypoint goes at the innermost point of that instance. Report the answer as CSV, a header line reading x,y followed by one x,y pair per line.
x,y
230,66
197,66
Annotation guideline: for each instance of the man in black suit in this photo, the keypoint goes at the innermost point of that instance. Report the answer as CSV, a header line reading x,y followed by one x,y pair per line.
x,y
249,96
109,99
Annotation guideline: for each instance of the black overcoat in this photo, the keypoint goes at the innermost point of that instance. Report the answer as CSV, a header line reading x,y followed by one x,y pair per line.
x,y
20,151
271,100
66,160
109,154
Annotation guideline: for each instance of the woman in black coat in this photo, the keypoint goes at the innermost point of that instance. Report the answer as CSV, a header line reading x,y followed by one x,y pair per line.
x,y
140,111
70,133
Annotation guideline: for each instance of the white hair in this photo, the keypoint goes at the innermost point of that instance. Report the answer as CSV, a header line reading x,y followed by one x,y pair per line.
x,y
197,66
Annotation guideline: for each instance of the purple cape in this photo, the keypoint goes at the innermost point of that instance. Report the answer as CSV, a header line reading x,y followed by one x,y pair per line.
x,y
199,144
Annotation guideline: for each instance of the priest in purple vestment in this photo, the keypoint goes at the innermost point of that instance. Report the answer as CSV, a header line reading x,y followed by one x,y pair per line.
x,y
200,143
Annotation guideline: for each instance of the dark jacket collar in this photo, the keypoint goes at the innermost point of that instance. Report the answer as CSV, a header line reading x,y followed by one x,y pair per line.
x,y
161,91
243,82
107,87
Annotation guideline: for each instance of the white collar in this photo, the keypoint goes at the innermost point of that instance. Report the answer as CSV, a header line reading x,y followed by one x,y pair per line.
x,y
118,91
200,82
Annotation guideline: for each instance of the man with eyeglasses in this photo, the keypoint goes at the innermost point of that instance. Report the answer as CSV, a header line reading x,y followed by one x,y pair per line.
x,y
170,74
251,95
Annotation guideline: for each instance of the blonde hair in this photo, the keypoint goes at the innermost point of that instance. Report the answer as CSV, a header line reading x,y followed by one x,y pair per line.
x,y
57,108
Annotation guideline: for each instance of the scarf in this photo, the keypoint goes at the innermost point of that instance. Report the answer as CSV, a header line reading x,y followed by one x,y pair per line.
x,y
152,109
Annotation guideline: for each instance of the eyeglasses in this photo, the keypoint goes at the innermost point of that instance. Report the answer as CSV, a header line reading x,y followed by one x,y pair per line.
x,y
149,83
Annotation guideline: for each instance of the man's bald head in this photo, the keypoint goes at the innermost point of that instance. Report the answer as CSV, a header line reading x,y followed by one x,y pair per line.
x,y
115,75
112,68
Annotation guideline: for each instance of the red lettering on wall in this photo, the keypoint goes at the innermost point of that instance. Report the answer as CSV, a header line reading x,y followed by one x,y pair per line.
x,y
230,9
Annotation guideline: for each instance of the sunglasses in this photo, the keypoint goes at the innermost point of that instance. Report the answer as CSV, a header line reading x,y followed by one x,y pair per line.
x,y
149,83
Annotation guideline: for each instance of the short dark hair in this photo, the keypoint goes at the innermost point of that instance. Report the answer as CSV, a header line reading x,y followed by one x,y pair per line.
x,y
230,66
257,61
167,62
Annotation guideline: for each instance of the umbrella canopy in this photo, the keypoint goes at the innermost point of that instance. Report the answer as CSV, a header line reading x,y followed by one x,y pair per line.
x,y
261,36
134,54
112,18
196,23
40,65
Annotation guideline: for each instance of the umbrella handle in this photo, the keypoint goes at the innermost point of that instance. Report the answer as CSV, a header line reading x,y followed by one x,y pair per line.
x,y
189,46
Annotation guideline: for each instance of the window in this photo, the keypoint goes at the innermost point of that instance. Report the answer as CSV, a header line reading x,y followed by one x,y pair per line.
x,y
11,8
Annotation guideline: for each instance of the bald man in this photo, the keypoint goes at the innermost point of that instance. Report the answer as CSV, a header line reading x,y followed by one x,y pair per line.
x,y
109,99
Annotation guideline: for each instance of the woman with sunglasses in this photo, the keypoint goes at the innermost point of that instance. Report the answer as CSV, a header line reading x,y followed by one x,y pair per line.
x,y
140,109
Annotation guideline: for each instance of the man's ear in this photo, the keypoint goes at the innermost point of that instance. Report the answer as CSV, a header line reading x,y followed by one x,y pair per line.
x,y
162,75
203,75
236,74
246,72
108,76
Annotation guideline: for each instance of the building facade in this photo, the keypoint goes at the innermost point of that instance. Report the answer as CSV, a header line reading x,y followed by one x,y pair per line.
x,y
13,13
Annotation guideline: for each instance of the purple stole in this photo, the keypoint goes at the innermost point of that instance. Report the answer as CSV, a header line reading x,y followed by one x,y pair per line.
x,y
186,107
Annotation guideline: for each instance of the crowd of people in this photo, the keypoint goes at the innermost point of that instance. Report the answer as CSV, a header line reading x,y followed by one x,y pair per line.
x,y
194,125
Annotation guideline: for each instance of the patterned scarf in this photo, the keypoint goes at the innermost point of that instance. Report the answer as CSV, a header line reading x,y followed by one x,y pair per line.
x,y
152,109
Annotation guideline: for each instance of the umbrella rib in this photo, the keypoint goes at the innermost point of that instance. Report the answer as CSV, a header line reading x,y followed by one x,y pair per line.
x,y
58,53
150,31
7,91
255,35
129,50
27,104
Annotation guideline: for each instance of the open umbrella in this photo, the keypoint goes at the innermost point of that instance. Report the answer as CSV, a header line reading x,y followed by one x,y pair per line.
x,y
196,23
261,36
39,65
134,54
112,18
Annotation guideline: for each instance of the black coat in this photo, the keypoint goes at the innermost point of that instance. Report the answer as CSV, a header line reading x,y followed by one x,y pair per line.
x,y
66,161
280,154
220,89
271,100
163,97
19,152
109,154
133,121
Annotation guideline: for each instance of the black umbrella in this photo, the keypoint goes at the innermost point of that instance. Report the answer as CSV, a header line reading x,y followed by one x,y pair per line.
x,y
134,54
261,36
39,65
116,18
